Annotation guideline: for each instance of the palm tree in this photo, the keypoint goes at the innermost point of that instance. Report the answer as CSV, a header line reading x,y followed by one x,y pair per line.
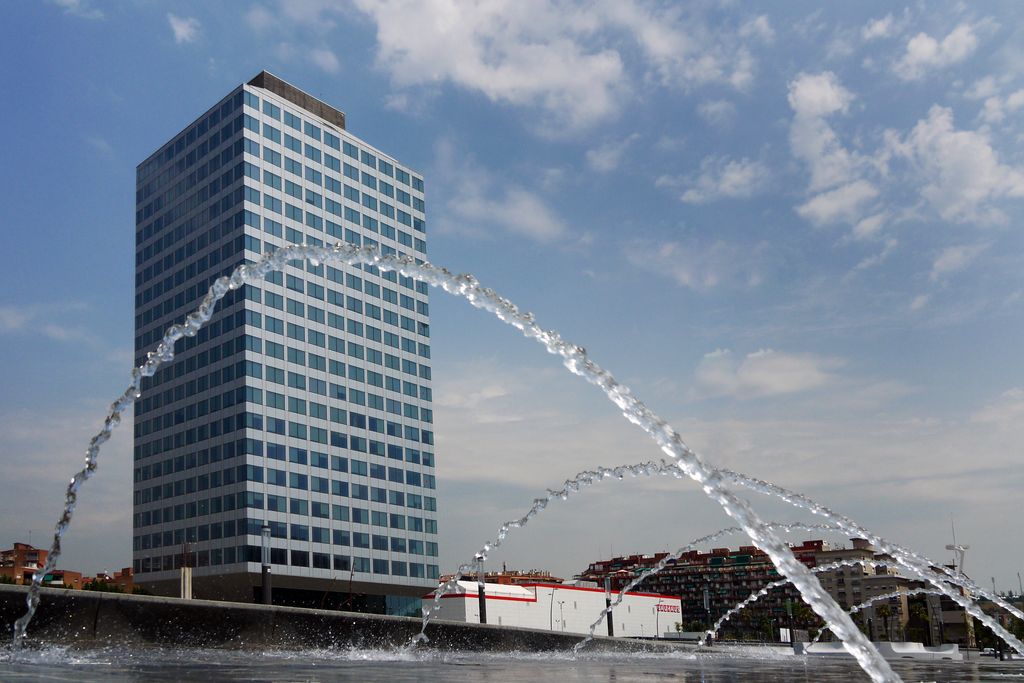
x,y
919,622
884,611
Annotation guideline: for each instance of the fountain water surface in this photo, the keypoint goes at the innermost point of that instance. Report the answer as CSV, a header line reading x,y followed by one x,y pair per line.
x,y
714,482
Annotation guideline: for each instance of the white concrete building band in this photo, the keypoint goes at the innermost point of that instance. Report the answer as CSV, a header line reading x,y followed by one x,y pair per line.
x,y
561,608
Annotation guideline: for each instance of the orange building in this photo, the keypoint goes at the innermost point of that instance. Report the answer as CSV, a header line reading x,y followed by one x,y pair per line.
x,y
124,579
63,578
21,563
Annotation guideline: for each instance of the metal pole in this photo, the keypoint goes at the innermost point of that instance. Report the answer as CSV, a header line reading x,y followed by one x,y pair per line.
x,y
707,611
481,596
1020,585
789,620
551,611
265,561
608,603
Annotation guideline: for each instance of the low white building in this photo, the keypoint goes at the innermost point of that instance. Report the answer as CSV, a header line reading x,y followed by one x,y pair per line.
x,y
562,608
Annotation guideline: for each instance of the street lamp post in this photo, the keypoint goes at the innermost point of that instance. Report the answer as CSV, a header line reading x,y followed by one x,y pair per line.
x,y
561,613
265,560
707,612
608,603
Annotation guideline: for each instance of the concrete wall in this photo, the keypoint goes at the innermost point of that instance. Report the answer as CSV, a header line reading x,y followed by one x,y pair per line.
x,y
90,619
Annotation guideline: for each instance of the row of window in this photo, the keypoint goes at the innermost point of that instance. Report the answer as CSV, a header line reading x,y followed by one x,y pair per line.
x,y
318,178
297,430
302,481
299,480
176,238
188,137
254,500
188,296
155,400
300,456
293,404
282,530
355,373
313,131
297,558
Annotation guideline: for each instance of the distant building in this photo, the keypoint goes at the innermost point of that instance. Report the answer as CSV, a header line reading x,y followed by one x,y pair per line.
x,y
712,583
123,580
562,608
513,577
709,584
64,578
21,563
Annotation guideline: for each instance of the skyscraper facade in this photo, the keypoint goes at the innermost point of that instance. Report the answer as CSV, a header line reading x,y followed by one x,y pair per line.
x,y
305,404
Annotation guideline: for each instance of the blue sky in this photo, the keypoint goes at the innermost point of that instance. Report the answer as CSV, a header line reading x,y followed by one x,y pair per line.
x,y
795,234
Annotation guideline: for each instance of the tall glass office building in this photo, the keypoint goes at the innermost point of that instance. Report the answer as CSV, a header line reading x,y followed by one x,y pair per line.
x,y
305,403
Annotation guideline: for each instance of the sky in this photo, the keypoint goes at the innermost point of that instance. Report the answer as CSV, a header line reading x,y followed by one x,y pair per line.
x,y
792,230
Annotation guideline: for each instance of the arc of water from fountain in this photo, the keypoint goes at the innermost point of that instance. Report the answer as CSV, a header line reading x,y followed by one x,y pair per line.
x,y
916,564
671,557
885,596
574,358
574,485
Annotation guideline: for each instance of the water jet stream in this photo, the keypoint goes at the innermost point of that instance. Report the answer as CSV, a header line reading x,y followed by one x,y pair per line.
x,y
671,557
575,360
574,485
916,564
886,596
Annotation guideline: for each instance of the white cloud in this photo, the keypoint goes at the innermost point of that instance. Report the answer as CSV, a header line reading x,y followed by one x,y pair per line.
x,y
920,301
762,373
813,97
876,259
186,29
573,61
79,8
955,259
983,88
42,319
759,27
717,112
680,50
879,28
514,208
527,53
101,145
13,319
1007,410
997,108
870,227
720,178
841,204
259,18
924,53
608,156
959,171
478,201
668,143
700,265
325,60
817,95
